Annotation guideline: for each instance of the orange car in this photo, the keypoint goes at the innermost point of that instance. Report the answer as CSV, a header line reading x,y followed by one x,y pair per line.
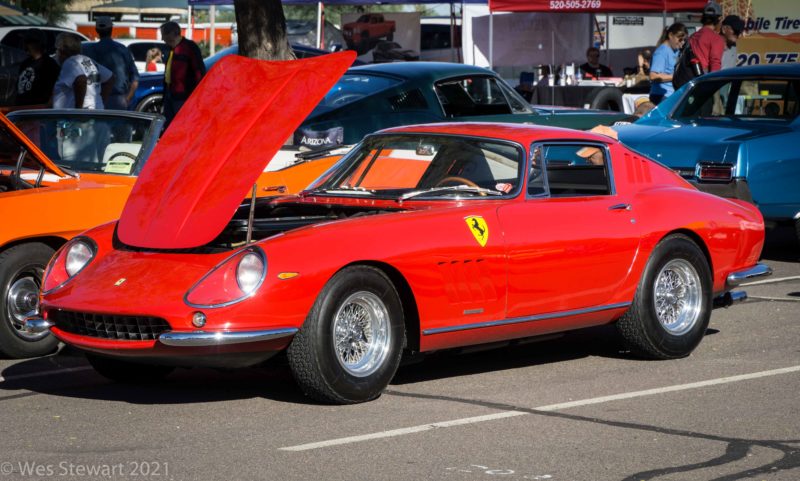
x,y
63,172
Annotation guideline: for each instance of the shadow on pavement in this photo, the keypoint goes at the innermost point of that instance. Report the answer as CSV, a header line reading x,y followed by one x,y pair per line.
x,y
184,386
73,377
602,341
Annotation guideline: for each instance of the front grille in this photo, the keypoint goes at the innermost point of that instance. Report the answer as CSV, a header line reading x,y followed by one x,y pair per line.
x,y
109,326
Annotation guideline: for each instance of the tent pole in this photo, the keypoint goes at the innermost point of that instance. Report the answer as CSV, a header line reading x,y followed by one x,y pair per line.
x,y
491,42
190,24
452,31
212,15
608,40
319,25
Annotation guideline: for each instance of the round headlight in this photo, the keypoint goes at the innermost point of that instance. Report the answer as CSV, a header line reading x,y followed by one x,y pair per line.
x,y
249,272
78,255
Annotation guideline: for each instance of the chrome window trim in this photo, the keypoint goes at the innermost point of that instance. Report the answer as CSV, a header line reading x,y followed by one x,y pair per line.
x,y
511,195
586,143
520,320
240,253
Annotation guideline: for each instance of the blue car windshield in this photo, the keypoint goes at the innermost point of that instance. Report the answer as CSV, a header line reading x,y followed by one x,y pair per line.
x,y
773,99
352,87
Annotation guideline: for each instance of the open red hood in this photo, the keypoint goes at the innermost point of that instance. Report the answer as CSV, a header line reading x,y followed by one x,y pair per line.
x,y
218,145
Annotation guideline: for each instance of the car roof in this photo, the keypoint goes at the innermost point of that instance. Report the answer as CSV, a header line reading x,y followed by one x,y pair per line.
x,y
770,70
422,69
521,133
131,41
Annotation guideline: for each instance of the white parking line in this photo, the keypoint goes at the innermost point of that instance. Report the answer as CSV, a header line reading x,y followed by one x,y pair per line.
x,y
547,408
782,299
771,281
45,373
404,431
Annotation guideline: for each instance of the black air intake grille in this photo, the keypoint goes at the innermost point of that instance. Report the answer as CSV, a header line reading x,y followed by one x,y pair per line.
x,y
108,326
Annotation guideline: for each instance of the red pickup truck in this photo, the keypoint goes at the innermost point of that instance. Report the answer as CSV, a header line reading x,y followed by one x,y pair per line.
x,y
362,34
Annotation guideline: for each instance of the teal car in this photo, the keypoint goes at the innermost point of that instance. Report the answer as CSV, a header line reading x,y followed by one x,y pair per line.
x,y
734,133
374,97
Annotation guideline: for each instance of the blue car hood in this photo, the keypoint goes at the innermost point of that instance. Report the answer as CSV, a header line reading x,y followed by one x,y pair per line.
x,y
679,145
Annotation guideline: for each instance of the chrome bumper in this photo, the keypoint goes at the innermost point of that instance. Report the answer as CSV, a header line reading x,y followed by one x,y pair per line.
x,y
204,338
36,325
739,277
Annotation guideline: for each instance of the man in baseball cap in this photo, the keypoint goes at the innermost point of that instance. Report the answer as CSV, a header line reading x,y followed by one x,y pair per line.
x,y
117,58
706,43
103,23
731,30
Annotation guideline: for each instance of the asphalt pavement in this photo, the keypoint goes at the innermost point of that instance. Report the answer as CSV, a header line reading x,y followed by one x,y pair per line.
x,y
572,408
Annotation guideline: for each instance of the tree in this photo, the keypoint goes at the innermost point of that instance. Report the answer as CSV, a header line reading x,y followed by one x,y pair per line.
x,y
53,11
262,29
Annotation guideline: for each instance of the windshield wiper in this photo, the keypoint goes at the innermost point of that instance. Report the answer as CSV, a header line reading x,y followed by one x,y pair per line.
x,y
450,188
345,189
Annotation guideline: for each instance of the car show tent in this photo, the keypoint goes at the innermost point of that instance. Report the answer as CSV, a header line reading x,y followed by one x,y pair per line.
x,y
596,6
588,7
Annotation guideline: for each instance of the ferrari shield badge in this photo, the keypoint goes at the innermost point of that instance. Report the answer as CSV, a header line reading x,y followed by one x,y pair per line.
x,y
478,228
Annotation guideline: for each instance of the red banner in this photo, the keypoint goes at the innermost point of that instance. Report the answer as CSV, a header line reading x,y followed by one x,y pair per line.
x,y
596,6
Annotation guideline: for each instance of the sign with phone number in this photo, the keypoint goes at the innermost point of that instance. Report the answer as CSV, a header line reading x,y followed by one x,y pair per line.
x,y
768,57
574,4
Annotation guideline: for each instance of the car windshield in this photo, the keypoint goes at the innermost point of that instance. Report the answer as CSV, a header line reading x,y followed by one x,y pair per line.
x,y
352,87
775,99
90,143
425,165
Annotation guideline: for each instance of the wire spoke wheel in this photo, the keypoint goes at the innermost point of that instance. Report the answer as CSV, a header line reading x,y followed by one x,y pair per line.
x,y
361,333
677,296
672,305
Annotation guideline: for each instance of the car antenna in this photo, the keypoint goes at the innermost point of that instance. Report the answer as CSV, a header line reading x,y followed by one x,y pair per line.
x,y
252,214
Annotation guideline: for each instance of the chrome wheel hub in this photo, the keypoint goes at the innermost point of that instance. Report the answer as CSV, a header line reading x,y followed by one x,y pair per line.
x,y
22,301
361,334
678,296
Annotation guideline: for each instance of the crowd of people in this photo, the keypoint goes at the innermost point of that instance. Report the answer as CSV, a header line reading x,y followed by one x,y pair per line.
x,y
103,75
713,48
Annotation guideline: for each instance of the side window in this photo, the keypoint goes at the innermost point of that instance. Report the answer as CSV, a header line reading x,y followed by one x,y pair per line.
x,y
472,96
16,39
576,170
536,175
139,51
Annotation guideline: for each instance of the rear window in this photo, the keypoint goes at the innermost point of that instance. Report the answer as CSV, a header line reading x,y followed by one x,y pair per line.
x,y
777,99
353,87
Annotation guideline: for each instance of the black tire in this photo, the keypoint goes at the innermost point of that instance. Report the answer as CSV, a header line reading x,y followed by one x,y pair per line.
x,y
153,104
314,360
797,230
21,269
641,326
128,372
390,36
607,98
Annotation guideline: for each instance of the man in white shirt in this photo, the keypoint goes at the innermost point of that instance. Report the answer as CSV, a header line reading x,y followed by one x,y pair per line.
x,y
82,84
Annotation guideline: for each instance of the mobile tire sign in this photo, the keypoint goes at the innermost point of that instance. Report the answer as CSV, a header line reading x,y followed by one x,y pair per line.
x,y
772,32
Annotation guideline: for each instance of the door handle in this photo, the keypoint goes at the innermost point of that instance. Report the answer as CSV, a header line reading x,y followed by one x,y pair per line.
x,y
620,207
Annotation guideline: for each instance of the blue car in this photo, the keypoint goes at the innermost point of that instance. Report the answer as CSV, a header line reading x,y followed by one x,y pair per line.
x,y
149,95
734,133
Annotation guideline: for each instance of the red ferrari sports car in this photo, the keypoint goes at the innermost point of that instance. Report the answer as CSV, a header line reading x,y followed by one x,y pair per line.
x,y
421,238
